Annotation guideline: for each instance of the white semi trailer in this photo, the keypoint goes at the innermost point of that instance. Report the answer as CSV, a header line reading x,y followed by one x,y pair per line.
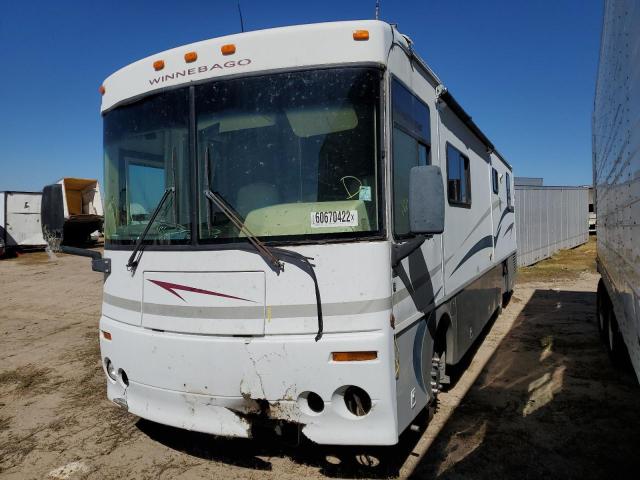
x,y
20,226
616,178
302,226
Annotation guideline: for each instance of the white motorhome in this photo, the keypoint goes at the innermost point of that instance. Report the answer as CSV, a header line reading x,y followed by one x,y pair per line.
x,y
302,226
20,221
616,178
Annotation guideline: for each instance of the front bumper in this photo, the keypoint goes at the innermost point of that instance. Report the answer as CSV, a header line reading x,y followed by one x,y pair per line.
x,y
222,385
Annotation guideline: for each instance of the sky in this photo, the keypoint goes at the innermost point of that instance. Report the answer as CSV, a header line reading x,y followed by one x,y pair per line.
x,y
523,69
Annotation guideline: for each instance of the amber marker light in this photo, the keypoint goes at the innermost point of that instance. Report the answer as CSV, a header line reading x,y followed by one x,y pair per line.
x,y
190,57
106,335
158,65
228,49
101,89
353,356
361,35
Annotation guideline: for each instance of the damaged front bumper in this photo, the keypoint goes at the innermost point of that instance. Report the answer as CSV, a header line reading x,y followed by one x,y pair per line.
x,y
228,385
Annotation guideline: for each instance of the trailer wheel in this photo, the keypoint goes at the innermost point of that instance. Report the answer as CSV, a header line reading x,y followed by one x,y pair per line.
x,y
602,311
615,343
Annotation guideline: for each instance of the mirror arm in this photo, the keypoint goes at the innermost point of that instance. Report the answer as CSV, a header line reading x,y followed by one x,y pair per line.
x,y
98,263
403,250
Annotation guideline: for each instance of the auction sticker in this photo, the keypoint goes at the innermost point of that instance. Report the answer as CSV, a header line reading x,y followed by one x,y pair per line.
x,y
334,218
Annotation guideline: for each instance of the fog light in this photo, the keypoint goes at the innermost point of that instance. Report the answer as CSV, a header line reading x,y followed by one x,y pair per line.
x,y
110,368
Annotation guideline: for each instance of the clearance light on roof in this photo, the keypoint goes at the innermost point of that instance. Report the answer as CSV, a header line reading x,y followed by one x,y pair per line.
x,y
190,57
158,65
361,35
353,356
101,89
228,49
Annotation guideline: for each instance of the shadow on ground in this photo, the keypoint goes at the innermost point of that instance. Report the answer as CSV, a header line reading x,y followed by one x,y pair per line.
x,y
256,454
547,404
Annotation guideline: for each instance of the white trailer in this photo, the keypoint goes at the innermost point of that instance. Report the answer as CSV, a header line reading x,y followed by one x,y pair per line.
x,y
616,178
20,225
77,202
324,229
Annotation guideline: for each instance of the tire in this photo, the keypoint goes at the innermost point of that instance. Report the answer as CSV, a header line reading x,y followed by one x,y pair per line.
x,y
615,343
506,298
440,354
602,311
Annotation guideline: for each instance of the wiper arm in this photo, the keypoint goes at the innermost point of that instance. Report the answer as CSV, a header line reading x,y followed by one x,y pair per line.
x,y
138,250
274,256
262,249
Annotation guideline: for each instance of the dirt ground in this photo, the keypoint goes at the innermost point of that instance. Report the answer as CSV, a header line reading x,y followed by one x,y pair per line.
x,y
539,397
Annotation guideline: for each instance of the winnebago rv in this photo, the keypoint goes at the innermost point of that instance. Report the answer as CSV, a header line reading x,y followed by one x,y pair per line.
x,y
78,204
20,221
616,178
302,227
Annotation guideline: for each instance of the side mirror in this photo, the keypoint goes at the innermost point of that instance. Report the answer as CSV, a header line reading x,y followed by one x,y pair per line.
x,y
426,200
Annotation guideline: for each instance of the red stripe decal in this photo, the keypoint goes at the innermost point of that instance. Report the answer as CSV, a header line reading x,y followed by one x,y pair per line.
x,y
172,287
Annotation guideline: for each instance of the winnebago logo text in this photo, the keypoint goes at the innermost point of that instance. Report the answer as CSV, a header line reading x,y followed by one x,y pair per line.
x,y
200,69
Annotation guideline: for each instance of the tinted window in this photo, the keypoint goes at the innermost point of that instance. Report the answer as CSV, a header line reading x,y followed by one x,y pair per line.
x,y
146,150
411,134
495,181
288,152
458,178
410,113
508,180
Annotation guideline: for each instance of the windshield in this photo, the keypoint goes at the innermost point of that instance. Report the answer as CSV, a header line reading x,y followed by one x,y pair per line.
x,y
294,155
146,151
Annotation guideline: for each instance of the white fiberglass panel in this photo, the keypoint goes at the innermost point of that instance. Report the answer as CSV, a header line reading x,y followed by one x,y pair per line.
x,y
223,303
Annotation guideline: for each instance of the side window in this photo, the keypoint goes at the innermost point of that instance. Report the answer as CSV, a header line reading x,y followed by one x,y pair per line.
x,y
411,147
495,181
458,178
508,181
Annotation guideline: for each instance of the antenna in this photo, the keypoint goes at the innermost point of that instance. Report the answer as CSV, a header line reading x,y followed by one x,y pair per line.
x,y
377,9
241,21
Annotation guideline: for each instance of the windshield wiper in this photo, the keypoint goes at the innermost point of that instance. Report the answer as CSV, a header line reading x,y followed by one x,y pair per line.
x,y
262,249
138,250
275,257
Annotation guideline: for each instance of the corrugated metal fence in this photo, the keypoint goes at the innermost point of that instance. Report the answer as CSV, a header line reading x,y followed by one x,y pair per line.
x,y
549,219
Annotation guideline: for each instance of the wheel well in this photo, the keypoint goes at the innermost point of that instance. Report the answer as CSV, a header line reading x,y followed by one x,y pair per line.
x,y
444,324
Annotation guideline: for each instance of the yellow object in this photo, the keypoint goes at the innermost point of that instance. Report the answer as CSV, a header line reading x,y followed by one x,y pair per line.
x,y
295,218
354,356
